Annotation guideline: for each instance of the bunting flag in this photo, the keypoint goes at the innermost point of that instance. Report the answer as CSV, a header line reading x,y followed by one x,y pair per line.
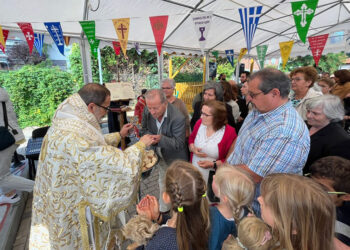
x,y
230,56
159,25
121,27
66,40
286,48
39,42
216,54
201,22
5,34
303,13
317,44
2,40
89,30
251,65
116,47
261,51
242,52
28,34
250,20
55,30
137,48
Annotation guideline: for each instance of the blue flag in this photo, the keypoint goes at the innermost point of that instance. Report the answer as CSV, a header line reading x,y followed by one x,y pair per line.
x,y
230,56
250,19
55,31
39,42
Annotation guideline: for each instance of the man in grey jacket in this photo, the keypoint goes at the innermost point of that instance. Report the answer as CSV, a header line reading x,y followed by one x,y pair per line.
x,y
167,125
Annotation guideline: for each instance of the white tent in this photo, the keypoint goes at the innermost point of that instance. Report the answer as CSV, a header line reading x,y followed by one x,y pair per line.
x,y
276,22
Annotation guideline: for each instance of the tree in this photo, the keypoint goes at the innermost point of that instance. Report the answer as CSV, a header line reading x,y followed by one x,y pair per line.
x,y
18,54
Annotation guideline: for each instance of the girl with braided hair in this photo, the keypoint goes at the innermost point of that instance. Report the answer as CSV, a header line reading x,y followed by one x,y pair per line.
x,y
236,189
188,227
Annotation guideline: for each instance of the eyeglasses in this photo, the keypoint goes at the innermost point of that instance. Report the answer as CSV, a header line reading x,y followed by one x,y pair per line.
x,y
106,108
253,95
297,79
204,114
167,88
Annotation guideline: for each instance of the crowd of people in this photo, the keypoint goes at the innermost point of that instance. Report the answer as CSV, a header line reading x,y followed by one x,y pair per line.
x,y
231,177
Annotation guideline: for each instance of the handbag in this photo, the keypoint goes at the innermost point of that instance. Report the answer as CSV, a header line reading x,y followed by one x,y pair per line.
x,y
7,138
210,192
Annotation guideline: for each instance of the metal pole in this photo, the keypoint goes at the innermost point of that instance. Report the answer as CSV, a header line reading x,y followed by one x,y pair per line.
x,y
160,67
99,65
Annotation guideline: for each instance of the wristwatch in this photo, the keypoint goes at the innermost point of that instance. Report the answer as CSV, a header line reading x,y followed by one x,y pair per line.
x,y
214,165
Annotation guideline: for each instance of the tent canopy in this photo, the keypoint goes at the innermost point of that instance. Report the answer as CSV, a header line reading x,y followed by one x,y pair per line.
x,y
276,23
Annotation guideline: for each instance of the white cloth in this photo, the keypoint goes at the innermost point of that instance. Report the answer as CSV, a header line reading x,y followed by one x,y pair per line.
x,y
235,109
209,146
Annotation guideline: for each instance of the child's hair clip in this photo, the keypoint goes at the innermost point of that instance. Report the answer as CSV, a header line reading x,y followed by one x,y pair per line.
x,y
205,194
180,209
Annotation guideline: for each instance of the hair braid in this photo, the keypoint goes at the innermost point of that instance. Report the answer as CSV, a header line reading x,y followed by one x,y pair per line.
x,y
176,194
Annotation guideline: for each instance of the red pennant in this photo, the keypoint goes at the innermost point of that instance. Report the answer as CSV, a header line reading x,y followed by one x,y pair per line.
x,y
116,47
6,34
317,44
28,34
159,25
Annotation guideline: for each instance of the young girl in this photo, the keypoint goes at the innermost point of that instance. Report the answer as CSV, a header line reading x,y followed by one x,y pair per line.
x,y
253,234
300,212
188,227
236,190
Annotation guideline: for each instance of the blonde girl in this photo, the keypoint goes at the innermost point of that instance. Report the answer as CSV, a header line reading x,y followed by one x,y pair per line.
x,y
236,189
300,212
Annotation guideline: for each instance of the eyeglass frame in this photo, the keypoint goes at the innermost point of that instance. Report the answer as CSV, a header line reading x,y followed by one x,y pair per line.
x,y
106,108
205,114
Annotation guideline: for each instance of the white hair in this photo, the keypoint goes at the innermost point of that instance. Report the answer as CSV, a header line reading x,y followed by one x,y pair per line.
x,y
331,106
170,81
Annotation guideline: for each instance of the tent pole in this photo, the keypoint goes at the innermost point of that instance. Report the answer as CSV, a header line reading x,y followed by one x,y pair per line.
x,y
86,61
160,67
99,65
207,67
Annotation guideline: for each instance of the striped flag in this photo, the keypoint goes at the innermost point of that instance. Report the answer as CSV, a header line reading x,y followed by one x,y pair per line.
x,y
39,42
250,18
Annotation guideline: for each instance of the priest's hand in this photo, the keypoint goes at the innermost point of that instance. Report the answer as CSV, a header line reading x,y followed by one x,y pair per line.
x,y
125,129
147,140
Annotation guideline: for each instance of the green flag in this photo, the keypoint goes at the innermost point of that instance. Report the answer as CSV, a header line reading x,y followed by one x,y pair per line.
x,y
216,54
89,30
303,13
261,50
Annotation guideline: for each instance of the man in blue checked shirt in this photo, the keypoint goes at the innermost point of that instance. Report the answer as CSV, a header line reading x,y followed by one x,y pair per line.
x,y
273,137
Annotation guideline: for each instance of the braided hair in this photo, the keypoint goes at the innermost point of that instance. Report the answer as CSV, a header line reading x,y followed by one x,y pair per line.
x,y
185,186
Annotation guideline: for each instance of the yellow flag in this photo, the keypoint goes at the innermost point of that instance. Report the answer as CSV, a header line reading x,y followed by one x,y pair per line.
x,y
2,40
251,65
242,53
286,48
121,26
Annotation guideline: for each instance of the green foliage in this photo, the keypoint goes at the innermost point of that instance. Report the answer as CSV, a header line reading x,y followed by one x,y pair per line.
x,y
36,92
225,68
76,67
189,77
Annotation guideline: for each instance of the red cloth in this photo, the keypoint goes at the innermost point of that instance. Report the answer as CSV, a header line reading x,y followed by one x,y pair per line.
x,y
225,144
140,105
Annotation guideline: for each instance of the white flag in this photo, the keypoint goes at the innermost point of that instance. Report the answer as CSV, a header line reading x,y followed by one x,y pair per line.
x,y
202,23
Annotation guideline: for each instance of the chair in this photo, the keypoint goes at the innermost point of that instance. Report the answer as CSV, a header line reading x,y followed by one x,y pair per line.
x,y
40,132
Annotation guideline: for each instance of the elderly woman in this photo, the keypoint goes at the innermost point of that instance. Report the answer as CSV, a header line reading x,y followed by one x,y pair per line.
x,y
211,137
168,86
326,85
212,91
328,138
303,79
342,80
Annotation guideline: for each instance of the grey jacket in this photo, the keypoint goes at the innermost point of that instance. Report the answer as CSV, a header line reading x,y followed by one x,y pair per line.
x,y
11,115
173,141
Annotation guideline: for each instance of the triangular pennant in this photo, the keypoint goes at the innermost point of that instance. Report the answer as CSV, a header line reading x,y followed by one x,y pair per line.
x,y
242,52
39,42
66,40
230,56
159,25
121,27
250,19
116,47
202,23
5,34
261,51
216,54
2,40
251,65
28,34
55,30
286,48
303,13
94,47
317,44
137,48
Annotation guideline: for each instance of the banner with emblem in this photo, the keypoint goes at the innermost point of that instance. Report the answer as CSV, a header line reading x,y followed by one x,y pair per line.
x,y
89,30
261,51
250,19
28,34
242,52
201,22
5,34
317,44
230,56
215,53
39,42
66,40
303,13
121,27
159,25
286,48
116,47
55,30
